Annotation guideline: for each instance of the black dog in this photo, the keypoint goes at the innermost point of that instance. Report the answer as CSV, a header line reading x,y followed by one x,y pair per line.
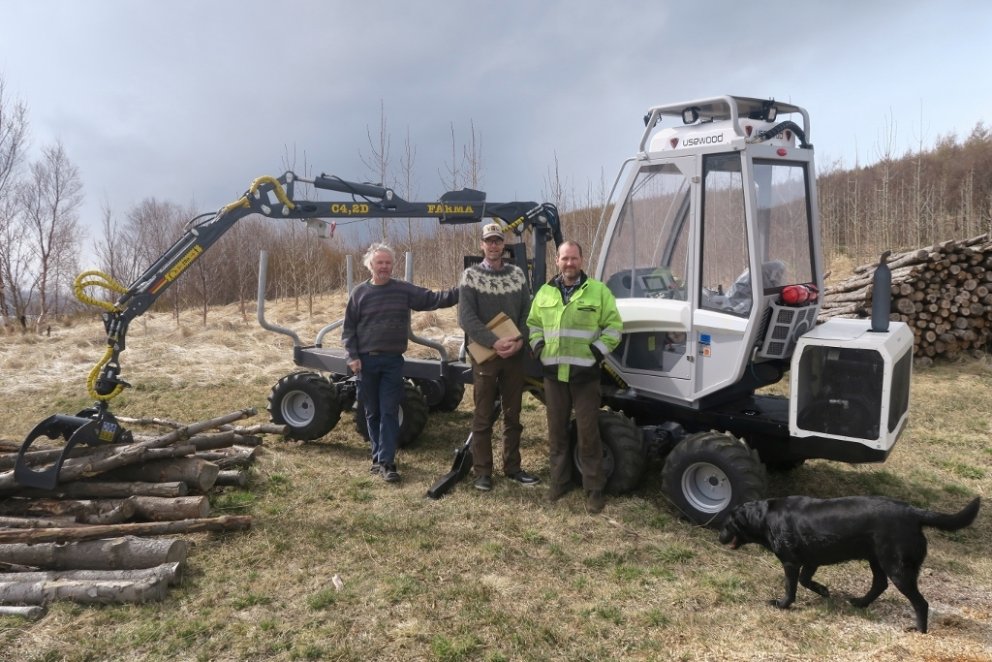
x,y
805,533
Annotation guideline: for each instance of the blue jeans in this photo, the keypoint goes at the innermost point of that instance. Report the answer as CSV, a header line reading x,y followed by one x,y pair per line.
x,y
380,388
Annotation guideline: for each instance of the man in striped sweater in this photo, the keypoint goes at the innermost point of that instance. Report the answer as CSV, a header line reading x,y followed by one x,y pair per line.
x,y
488,288
376,322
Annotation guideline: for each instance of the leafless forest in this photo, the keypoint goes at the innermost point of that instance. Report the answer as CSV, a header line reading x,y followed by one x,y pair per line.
x,y
935,193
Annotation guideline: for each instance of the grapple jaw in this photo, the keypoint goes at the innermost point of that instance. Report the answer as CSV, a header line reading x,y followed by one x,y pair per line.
x,y
91,427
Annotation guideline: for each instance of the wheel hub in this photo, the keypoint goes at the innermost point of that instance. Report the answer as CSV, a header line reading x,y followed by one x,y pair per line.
x,y
706,487
298,409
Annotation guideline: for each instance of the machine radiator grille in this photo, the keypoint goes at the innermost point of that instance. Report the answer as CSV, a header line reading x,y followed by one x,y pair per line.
x,y
786,324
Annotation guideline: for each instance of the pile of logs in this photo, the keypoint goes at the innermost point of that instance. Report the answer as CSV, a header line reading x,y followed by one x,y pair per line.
x,y
86,540
944,294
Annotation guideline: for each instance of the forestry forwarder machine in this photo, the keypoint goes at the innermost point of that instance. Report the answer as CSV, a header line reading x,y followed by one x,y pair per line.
x,y
712,251
273,198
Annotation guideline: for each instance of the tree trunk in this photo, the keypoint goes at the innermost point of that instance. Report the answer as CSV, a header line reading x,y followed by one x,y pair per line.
x,y
36,522
230,458
160,510
89,586
109,554
110,490
97,531
199,475
33,612
110,511
233,477
84,512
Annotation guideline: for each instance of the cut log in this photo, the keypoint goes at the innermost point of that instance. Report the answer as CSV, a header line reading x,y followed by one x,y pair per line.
x,y
36,522
247,430
906,306
230,458
33,612
91,586
110,511
108,554
169,572
163,510
84,512
97,531
232,477
43,456
101,461
199,475
86,489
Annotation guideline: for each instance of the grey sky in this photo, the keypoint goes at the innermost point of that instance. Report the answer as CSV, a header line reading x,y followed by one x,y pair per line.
x,y
190,100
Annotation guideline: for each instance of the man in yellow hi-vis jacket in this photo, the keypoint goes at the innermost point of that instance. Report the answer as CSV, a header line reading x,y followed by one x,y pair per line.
x,y
574,323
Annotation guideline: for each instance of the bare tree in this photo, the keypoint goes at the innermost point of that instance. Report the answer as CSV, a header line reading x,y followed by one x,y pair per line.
x,y
119,254
152,226
406,172
452,169
50,199
15,264
378,159
472,157
13,142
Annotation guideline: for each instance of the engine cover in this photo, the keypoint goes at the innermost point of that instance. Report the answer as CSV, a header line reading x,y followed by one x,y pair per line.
x,y
851,384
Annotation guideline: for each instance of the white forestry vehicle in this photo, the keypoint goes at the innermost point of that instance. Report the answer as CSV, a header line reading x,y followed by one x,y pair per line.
x,y
713,253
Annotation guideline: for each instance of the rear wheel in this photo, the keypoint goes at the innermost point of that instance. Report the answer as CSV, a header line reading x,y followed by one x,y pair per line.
x,y
441,394
413,416
623,452
709,474
306,403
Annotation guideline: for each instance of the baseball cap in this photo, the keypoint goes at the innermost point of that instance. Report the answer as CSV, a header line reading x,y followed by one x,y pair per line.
x,y
492,230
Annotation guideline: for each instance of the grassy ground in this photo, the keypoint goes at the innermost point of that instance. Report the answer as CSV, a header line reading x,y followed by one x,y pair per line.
x,y
497,576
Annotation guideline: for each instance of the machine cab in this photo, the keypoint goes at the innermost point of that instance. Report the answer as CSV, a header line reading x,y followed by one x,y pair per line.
x,y
712,251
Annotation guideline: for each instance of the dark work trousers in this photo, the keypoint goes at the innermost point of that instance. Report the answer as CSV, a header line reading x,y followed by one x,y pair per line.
x,y
502,378
380,387
560,398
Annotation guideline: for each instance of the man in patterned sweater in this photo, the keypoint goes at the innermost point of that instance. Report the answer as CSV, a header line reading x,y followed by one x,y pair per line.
x,y
376,324
491,287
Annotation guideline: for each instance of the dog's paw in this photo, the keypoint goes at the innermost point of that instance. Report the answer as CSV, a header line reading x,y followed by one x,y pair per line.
x,y
782,603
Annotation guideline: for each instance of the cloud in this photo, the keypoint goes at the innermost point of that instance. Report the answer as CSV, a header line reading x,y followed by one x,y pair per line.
x,y
189,101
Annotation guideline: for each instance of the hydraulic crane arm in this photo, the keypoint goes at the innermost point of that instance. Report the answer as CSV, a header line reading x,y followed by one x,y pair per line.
x,y
273,198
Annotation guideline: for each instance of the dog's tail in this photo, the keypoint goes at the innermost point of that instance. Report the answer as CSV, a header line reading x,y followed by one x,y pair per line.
x,y
951,522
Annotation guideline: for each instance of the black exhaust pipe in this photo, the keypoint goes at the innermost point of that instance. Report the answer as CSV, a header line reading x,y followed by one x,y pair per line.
x,y
881,295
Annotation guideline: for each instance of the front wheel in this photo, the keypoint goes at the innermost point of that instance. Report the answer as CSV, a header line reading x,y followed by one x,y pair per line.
x,y
413,416
623,452
306,403
709,474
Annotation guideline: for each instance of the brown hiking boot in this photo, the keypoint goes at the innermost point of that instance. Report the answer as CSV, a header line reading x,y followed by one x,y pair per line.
x,y
595,502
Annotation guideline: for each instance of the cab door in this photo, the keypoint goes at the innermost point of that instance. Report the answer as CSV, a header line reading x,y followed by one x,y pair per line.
x,y
724,302
646,263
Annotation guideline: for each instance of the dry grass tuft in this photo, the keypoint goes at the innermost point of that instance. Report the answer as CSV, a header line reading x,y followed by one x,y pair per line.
x,y
341,566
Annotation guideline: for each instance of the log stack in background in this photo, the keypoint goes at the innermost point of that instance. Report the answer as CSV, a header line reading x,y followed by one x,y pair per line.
x,y
944,294
86,540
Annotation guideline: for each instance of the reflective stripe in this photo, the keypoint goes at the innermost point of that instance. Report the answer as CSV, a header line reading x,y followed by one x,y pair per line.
x,y
611,333
570,360
573,333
